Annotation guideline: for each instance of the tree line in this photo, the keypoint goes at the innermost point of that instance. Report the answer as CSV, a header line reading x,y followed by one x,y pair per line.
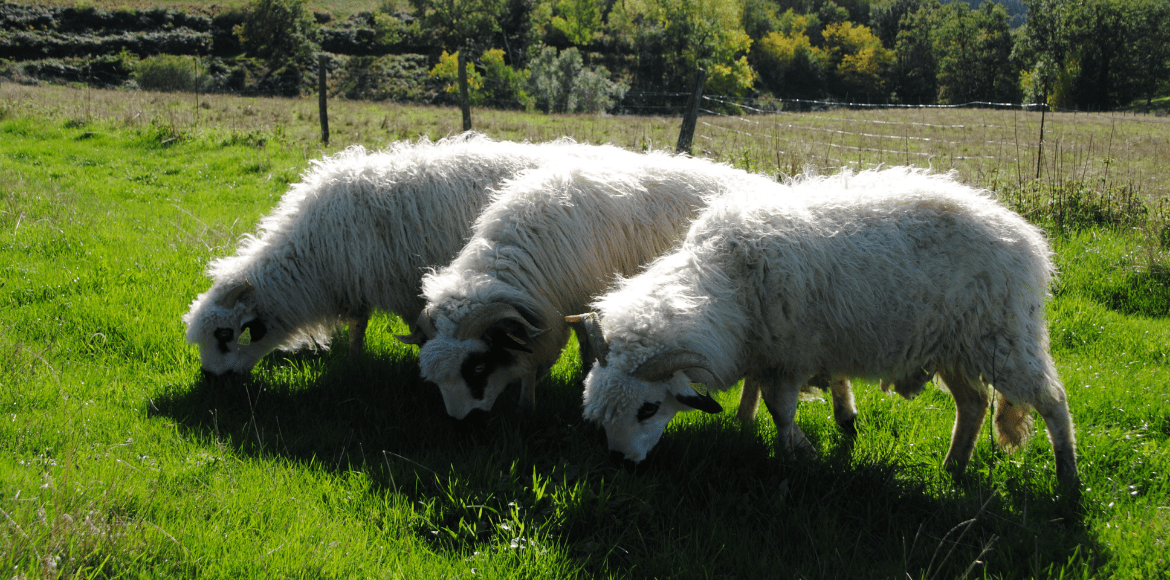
x,y
585,55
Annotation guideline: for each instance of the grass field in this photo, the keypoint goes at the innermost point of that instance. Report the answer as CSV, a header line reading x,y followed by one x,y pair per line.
x,y
117,459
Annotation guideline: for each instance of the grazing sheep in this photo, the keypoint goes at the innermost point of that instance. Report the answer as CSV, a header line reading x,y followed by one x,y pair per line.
x,y
546,244
352,236
881,274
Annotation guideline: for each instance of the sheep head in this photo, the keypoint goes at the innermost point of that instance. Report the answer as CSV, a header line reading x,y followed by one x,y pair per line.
x,y
487,350
634,407
232,336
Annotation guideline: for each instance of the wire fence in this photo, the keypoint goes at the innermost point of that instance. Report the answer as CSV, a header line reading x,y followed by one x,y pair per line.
x,y
988,143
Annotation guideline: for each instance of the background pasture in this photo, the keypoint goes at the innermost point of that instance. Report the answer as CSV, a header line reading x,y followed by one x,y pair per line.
x,y
118,459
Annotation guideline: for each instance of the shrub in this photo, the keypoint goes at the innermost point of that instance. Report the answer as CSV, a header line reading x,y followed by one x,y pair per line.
x,y
278,31
560,83
169,73
399,77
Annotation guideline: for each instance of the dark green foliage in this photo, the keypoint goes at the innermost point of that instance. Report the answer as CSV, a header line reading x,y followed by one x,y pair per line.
x,y
278,32
170,73
25,45
1098,54
393,77
561,83
915,71
365,34
104,71
80,19
974,50
460,24
1075,205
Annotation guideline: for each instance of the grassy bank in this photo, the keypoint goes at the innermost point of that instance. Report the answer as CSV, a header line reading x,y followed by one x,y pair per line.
x,y
117,458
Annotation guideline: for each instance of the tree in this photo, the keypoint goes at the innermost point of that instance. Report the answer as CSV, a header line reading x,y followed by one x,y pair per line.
x,y
1096,54
790,66
1151,52
579,20
279,32
674,37
560,83
498,84
914,72
460,24
857,59
886,17
974,50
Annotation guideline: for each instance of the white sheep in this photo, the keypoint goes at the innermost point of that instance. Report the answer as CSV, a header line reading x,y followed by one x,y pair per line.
x,y
549,242
354,235
880,274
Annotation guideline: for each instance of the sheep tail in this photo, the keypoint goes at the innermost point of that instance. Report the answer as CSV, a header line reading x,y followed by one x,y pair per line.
x,y
1013,423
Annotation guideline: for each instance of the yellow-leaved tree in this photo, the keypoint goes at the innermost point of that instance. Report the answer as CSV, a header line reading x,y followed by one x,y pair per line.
x,y
857,59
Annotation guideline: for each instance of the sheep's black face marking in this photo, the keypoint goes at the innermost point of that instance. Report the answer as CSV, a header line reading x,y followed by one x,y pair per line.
x,y
259,329
222,336
648,410
702,402
479,366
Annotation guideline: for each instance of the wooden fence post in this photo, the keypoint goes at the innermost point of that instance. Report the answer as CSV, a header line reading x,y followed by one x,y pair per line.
x,y
464,99
687,132
1040,144
322,71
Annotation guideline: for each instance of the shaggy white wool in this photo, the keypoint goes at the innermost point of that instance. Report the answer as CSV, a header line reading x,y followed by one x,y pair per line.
x,y
872,274
554,237
356,234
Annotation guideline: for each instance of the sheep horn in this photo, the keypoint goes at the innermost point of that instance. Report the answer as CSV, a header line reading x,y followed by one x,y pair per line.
x,y
424,330
235,295
593,344
661,366
479,320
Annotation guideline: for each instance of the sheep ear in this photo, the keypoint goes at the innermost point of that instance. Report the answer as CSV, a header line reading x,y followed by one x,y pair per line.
x,y
590,338
512,342
236,294
424,330
702,402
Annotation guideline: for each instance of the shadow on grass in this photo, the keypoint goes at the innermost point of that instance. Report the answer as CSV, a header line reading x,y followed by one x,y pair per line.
x,y
712,499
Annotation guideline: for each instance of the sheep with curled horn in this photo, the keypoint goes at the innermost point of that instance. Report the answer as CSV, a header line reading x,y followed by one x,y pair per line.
x,y
883,273
548,242
352,236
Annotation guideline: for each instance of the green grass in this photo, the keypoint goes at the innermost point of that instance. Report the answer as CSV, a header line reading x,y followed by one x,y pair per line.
x,y
117,459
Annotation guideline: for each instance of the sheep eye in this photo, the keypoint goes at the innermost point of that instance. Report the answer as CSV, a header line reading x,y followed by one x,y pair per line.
x,y
223,334
479,368
648,410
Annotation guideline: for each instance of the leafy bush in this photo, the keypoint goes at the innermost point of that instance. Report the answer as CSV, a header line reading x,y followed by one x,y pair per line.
x,y
399,77
104,71
497,85
1076,205
364,34
560,83
22,45
169,73
278,31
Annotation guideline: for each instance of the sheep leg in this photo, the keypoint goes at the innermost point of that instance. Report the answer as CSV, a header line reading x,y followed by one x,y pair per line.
x,y
749,401
782,396
844,406
528,392
971,402
1060,432
358,321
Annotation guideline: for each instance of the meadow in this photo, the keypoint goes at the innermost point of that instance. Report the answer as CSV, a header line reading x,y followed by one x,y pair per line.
x,y
118,459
